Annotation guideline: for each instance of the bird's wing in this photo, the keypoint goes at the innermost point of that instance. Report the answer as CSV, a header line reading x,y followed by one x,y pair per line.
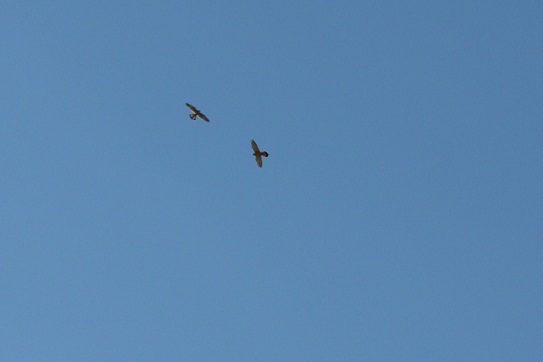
x,y
259,160
203,116
191,107
254,146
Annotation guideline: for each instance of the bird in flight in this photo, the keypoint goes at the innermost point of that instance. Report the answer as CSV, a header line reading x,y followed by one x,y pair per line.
x,y
196,113
258,155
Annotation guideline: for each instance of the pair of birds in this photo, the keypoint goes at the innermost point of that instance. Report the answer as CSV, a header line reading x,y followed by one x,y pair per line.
x,y
257,153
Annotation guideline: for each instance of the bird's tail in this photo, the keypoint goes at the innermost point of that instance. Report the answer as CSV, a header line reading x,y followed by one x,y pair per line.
x,y
265,154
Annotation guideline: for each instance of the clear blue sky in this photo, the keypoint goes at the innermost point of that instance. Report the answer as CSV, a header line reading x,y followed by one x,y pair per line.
x,y
399,216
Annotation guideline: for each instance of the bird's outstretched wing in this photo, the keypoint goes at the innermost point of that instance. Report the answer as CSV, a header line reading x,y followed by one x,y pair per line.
x,y
202,116
191,107
258,160
255,147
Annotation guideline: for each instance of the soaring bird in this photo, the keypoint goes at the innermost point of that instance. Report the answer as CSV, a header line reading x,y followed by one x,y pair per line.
x,y
196,113
258,155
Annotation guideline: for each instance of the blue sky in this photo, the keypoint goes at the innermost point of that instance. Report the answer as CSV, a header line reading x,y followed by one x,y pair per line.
x,y
398,216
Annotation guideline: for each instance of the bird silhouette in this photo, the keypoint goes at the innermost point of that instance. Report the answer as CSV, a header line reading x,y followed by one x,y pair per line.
x,y
258,154
196,113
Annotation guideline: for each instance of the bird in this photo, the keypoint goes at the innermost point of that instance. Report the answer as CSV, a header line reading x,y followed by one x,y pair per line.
x,y
196,113
258,155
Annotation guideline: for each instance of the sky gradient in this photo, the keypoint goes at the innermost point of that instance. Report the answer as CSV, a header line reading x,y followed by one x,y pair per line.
x,y
399,216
